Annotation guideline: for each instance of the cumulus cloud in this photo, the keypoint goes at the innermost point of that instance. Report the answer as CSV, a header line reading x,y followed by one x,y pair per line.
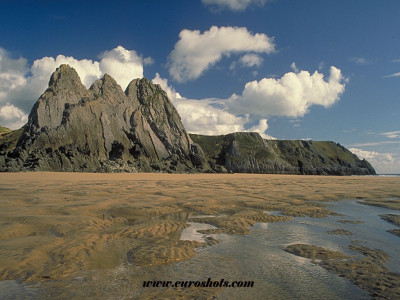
x,y
21,84
251,60
163,82
12,73
384,163
248,60
208,116
261,128
195,52
235,5
12,117
291,96
205,117
123,65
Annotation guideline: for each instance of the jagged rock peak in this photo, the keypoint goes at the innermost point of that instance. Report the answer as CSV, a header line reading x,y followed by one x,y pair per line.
x,y
142,89
65,88
65,77
104,129
106,86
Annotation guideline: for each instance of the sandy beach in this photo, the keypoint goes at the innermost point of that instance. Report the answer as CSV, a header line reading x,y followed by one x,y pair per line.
x,y
58,225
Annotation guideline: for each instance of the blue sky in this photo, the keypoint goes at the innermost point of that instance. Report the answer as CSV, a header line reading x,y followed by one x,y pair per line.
x,y
321,70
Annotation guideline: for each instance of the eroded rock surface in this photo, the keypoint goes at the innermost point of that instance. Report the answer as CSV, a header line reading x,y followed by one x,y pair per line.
x,y
103,128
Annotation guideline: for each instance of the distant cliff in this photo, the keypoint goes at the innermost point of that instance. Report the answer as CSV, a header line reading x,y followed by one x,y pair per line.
x,y
106,129
244,152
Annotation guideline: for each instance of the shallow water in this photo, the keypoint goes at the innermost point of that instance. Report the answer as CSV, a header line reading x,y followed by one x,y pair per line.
x,y
11,289
257,256
191,233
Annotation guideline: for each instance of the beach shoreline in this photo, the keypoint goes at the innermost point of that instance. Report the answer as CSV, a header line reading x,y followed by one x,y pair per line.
x,y
58,225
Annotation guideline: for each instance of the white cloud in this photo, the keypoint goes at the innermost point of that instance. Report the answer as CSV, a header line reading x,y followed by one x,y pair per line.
x,y
208,116
12,117
251,60
359,60
261,128
12,74
294,67
391,134
380,143
393,75
235,5
122,64
41,69
196,52
21,84
172,94
292,95
202,117
384,163
147,61
248,60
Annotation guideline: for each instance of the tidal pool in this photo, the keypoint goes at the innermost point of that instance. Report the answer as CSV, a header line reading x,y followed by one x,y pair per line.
x,y
258,256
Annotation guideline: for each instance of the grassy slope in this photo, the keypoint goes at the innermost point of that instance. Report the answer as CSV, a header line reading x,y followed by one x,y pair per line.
x,y
8,140
4,130
311,153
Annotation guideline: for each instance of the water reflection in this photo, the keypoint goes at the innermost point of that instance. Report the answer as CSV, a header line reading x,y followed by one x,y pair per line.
x,y
259,256
191,233
11,289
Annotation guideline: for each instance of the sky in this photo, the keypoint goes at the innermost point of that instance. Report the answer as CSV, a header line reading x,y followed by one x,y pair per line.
x,y
310,69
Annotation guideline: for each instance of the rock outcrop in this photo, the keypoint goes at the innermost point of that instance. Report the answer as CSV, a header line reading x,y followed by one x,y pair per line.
x,y
102,129
244,152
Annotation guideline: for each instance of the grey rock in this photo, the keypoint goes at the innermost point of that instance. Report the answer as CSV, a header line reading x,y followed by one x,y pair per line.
x,y
103,129
244,152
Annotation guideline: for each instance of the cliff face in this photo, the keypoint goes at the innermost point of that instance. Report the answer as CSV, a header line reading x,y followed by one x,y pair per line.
x,y
104,129
71,128
243,152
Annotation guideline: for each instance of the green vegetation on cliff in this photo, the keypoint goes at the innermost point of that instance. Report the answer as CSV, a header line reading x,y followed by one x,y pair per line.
x,y
4,130
9,139
249,153
106,129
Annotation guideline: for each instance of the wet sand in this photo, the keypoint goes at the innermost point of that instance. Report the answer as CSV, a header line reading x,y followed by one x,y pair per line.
x,y
58,225
368,272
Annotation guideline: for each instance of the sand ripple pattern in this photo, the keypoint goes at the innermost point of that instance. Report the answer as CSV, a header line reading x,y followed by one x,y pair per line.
x,y
57,225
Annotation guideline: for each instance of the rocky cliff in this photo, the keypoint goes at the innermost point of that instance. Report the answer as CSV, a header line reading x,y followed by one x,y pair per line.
x,y
244,152
104,129
101,129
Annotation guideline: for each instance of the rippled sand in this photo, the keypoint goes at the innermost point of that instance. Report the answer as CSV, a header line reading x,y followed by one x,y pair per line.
x,y
57,225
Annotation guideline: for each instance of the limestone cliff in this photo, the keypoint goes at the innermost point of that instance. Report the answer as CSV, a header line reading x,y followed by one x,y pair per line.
x,y
244,152
104,129
71,128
